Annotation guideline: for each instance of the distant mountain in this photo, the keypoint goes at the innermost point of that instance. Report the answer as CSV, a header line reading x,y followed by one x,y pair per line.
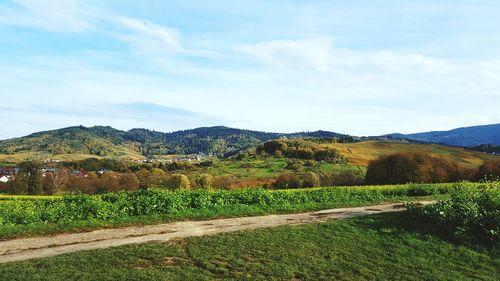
x,y
465,137
107,141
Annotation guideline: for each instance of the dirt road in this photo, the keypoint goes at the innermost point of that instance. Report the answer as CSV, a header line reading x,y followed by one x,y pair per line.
x,y
41,247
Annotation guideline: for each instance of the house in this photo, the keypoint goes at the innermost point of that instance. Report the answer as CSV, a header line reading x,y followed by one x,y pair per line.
x,y
4,179
80,173
5,171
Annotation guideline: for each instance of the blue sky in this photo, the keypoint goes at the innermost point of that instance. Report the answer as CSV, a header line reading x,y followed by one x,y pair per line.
x,y
357,67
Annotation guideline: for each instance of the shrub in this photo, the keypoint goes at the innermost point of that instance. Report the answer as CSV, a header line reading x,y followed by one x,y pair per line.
x,y
223,183
471,214
287,181
489,170
343,178
311,180
204,181
179,181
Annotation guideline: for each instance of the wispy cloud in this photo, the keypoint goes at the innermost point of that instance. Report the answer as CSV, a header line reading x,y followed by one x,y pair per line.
x,y
270,65
312,52
146,36
50,15
321,54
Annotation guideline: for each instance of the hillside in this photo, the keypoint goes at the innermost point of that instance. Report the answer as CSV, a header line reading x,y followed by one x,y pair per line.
x,y
361,153
466,137
102,141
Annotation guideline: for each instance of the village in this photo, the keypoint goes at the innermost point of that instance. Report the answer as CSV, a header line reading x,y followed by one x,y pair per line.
x,y
7,173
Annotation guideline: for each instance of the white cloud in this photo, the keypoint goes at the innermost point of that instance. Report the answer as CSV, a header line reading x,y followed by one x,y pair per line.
x,y
50,15
315,53
321,54
147,36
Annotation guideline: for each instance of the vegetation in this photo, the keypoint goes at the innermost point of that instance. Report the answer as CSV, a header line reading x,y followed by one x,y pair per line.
x,y
381,247
414,167
490,170
471,214
487,148
56,214
361,153
301,149
136,143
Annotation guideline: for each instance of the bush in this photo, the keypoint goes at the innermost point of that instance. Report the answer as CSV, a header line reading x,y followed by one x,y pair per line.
x,y
343,178
179,182
223,183
204,181
472,214
311,180
489,170
287,181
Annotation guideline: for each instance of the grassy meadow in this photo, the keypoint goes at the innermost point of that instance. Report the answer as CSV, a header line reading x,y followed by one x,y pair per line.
x,y
380,247
361,153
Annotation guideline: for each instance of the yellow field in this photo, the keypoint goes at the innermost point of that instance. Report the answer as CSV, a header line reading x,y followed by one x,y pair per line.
x,y
362,153
26,197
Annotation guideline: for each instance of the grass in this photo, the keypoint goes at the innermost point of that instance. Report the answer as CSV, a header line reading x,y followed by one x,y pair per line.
x,y
361,153
381,247
5,197
28,218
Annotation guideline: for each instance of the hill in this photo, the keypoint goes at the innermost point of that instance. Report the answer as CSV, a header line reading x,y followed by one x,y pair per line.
x,y
361,153
103,141
465,137
75,143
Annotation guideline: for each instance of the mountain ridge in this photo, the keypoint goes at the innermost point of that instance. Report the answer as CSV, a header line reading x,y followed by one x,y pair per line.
x,y
108,141
464,136
215,140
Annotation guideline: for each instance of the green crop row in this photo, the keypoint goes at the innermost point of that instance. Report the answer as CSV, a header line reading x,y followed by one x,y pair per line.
x,y
159,202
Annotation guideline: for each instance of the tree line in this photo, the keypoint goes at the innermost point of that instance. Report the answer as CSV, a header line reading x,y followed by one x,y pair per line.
x,y
300,149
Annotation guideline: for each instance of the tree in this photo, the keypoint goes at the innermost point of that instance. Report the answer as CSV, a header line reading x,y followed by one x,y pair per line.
x,y
204,181
129,181
157,177
20,183
29,180
60,181
287,181
144,178
489,170
223,182
311,179
179,181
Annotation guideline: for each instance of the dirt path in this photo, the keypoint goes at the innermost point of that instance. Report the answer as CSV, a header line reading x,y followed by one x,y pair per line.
x,y
41,247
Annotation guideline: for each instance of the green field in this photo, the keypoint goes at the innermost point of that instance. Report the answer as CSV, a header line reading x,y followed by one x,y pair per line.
x,y
381,247
21,217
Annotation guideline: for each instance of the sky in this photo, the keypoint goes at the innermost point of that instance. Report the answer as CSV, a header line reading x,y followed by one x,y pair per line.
x,y
358,67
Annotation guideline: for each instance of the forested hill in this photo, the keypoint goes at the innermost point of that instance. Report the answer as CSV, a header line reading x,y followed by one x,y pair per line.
x,y
107,141
466,137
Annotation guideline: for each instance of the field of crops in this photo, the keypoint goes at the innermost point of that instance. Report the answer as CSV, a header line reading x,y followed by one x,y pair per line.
x,y
26,215
110,206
